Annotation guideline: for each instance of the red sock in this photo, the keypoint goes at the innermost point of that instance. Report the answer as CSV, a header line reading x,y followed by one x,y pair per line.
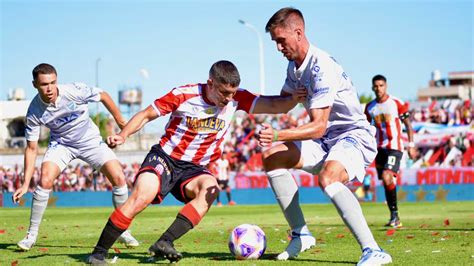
x,y
120,220
191,214
391,187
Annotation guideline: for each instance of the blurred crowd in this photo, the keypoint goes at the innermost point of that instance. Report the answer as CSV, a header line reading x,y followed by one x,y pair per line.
x,y
447,112
244,154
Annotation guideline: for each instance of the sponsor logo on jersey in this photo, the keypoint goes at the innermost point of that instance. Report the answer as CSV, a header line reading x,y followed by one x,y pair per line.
x,y
210,124
320,91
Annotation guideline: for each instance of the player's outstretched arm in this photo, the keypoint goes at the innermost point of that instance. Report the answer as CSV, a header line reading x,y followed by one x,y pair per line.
x,y
279,104
312,130
411,139
31,151
112,108
137,122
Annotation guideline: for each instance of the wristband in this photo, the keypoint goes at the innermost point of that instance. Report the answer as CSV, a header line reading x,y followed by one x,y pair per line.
x,y
411,144
275,135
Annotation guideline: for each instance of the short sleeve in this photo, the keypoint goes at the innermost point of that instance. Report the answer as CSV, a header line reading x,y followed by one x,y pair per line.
x,y
246,100
32,127
325,87
86,94
172,100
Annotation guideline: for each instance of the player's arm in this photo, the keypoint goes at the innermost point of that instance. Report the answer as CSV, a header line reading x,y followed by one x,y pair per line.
x,y
137,122
411,139
112,108
279,104
313,130
31,151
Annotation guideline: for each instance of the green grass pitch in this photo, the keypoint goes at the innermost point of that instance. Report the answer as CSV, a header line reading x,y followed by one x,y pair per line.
x,y
433,234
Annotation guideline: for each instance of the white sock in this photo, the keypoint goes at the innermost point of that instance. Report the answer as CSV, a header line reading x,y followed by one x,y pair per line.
x,y
286,193
38,206
351,213
119,195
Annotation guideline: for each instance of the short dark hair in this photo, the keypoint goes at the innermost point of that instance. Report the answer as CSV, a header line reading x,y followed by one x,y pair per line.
x,y
224,72
43,68
379,77
280,18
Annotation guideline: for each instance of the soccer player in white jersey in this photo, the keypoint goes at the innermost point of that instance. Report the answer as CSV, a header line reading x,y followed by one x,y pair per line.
x,y
64,110
386,113
223,168
193,138
338,142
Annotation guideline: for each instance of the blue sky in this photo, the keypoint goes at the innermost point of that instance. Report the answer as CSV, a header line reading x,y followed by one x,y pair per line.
x,y
177,41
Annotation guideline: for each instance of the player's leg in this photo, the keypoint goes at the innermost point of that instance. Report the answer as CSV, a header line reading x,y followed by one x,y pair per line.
x,y
103,158
343,163
145,190
201,191
55,160
113,171
218,197
276,161
391,167
227,191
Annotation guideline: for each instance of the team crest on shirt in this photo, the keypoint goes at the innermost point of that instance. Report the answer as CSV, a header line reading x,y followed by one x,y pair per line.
x,y
210,111
71,106
210,124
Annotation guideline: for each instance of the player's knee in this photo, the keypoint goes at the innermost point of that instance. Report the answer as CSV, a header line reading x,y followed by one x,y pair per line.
x,y
387,178
211,188
46,182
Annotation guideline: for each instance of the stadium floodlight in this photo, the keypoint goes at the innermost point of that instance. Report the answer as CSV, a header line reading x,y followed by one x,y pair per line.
x,y
260,46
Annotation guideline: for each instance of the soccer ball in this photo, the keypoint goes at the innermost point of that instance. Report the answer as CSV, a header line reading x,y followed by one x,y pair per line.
x,y
247,241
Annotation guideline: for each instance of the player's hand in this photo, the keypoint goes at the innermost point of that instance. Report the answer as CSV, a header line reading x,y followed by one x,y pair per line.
x,y
19,193
300,94
115,140
265,135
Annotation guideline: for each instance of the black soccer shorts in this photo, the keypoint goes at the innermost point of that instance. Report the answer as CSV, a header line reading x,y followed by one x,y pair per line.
x,y
388,159
173,174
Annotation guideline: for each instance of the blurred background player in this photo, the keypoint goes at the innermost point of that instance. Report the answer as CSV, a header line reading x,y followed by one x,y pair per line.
x,y
194,137
223,168
385,112
337,143
64,110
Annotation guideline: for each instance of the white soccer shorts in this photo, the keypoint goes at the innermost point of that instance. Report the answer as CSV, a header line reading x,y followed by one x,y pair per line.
x,y
354,150
95,152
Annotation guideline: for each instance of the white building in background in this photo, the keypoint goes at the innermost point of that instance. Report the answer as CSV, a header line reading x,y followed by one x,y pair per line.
x,y
458,85
12,119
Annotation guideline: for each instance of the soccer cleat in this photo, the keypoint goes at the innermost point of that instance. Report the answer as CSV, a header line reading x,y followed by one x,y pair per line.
x,y
164,249
374,257
27,242
219,204
394,222
231,203
128,240
298,243
96,259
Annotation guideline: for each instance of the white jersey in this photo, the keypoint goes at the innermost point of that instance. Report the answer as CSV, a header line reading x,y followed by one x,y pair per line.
x,y
222,169
68,118
328,85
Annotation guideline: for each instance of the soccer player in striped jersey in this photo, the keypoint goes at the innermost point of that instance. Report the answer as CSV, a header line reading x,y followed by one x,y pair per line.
x,y
193,138
337,143
63,108
387,113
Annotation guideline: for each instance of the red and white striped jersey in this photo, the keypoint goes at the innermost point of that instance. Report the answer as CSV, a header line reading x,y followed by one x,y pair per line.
x,y
197,128
386,117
